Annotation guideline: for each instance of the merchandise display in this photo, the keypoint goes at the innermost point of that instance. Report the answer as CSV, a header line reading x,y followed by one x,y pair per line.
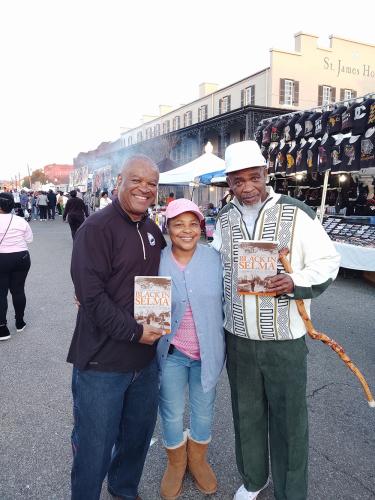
x,y
353,233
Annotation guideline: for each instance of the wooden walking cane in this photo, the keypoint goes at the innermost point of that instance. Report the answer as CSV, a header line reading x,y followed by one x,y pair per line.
x,y
314,334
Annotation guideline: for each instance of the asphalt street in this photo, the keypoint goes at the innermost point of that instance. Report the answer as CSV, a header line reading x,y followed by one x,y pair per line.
x,y
35,399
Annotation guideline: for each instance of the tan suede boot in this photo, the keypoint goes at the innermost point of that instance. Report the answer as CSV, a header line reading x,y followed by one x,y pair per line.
x,y
171,484
204,476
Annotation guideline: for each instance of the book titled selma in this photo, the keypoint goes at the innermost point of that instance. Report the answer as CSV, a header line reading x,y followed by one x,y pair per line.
x,y
153,301
257,261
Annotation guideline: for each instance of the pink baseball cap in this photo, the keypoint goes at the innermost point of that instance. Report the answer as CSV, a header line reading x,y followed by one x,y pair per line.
x,y
180,206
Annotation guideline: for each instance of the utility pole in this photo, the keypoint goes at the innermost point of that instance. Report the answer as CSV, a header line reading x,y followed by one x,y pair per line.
x,y
28,171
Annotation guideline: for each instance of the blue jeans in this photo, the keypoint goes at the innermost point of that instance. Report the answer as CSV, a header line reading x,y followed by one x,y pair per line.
x,y
179,372
114,418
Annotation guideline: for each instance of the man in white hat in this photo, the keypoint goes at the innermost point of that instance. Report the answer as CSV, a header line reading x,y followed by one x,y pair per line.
x,y
266,349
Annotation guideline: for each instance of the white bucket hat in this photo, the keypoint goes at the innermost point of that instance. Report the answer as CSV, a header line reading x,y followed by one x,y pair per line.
x,y
244,154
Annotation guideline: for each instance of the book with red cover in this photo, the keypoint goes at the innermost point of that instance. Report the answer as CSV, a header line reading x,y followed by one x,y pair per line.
x,y
257,261
153,301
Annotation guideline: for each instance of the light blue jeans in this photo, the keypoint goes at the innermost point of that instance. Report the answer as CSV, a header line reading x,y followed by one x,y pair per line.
x,y
181,372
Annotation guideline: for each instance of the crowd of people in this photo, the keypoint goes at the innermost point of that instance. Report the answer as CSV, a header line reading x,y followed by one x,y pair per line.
x,y
124,372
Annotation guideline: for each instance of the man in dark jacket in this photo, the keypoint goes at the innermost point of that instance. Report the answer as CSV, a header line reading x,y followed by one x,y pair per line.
x,y
52,199
75,212
115,376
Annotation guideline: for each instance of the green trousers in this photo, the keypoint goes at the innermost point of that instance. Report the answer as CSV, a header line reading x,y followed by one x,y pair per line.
x,y
268,388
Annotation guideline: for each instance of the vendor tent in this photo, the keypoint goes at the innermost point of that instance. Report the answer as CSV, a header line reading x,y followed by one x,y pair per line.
x,y
207,178
186,174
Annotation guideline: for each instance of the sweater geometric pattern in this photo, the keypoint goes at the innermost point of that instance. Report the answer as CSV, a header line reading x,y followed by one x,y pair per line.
x,y
275,223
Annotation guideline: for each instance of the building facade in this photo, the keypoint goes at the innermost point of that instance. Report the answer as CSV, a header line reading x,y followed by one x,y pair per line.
x,y
57,174
308,77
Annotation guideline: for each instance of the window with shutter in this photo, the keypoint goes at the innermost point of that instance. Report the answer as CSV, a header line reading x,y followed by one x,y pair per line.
x,y
346,94
354,94
248,96
220,105
229,102
199,114
288,92
333,94
320,95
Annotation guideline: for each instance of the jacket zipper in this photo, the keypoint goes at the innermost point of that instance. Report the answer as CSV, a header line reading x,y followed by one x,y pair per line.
x,y
256,220
143,245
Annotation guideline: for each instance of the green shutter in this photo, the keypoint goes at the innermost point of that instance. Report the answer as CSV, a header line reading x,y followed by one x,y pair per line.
x,y
282,91
295,93
320,95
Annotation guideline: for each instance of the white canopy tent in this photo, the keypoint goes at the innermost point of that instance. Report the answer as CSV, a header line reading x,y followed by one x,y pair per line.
x,y
188,173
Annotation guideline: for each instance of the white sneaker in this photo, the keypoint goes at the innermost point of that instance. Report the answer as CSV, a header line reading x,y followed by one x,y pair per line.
x,y
243,494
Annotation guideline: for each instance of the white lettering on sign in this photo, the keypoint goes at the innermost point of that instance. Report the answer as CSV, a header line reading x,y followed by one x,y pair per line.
x,y
340,68
358,112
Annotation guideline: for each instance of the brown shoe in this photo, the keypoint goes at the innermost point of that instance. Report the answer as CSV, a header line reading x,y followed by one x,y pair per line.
x,y
171,484
204,476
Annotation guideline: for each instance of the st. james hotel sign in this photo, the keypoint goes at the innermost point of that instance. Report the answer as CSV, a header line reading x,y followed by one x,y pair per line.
x,y
340,68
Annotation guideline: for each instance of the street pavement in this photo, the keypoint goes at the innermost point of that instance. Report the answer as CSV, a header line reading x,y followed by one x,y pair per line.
x,y
35,399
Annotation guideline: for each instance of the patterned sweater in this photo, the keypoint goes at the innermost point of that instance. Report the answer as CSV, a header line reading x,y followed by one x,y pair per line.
x,y
313,257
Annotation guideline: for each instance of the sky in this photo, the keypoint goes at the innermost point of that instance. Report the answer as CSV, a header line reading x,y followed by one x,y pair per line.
x,y
72,73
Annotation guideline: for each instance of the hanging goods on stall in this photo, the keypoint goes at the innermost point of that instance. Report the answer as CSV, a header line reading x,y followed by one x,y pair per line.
x,y
346,134
315,335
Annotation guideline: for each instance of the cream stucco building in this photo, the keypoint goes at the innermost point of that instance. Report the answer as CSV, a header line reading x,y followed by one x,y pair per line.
x,y
307,77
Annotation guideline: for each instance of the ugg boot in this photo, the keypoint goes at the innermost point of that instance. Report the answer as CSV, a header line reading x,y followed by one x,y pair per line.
x,y
171,484
204,476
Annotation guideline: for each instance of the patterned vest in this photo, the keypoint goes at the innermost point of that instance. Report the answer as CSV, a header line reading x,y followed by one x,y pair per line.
x,y
272,313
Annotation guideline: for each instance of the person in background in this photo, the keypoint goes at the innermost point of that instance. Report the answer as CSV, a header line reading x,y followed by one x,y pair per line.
x,y
104,200
115,375
75,212
265,336
42,205
24,199
79,194
114,194
170,198
226,198
65,198
193,355
52,200
60,203
87,201
34,206
17,199
15,234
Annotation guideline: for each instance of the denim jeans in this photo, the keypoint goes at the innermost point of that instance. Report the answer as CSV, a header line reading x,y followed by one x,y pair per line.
x,y
114,418
181,372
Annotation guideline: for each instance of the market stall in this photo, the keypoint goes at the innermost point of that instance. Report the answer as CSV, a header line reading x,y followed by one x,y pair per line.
x,y
326,158
187,178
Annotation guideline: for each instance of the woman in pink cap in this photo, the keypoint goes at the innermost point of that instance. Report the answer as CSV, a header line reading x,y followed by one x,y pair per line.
x,y
193,355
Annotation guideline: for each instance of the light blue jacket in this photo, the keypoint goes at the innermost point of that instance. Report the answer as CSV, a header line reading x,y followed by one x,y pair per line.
x,y
201,284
